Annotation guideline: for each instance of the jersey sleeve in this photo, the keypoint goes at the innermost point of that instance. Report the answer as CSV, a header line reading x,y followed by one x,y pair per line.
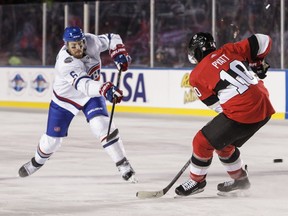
x,y
209,98
73,71
255,47
109,41
84,83
260,46
97,42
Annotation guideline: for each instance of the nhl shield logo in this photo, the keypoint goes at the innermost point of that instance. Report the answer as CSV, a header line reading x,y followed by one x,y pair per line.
x,y
17,83
39,83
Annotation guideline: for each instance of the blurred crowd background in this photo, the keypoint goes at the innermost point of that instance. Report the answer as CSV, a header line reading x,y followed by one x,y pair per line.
x,y
175,21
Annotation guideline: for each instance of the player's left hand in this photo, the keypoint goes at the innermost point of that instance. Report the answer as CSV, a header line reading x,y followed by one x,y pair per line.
x,y
120,57
260,67
111,92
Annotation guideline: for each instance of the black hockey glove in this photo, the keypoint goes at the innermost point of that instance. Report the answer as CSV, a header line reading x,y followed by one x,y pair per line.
x,y
260,68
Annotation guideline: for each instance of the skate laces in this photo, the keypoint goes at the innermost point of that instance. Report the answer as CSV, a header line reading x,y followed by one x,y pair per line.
x,y
228,183
242,178
127,172
125,167
30,168
189,184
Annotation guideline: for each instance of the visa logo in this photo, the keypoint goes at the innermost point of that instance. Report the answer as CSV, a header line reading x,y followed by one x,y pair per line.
x,y
133,83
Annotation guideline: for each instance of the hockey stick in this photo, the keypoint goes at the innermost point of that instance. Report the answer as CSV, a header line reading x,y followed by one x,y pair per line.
x,y
160,193
110,136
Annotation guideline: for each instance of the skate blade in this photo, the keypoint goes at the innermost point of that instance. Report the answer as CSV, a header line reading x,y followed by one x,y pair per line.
x,y
236,193
133,179
176,196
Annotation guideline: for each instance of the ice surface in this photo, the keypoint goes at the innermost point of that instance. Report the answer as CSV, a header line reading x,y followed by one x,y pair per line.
x,y
80,179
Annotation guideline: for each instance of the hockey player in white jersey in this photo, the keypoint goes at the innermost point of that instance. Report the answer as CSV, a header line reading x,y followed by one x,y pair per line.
x,y
77,87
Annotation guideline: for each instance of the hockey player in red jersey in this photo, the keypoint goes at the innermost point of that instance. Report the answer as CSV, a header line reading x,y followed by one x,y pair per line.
x,y
227,80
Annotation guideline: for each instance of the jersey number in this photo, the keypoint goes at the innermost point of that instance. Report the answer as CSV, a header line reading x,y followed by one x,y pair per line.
x,y
73,74
244,78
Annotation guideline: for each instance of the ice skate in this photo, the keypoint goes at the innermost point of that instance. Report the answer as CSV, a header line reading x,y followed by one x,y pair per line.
x,y
28,168
126,170
234,187
190,187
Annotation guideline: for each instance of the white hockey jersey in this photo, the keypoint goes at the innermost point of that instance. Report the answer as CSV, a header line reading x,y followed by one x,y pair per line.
x,y
73,86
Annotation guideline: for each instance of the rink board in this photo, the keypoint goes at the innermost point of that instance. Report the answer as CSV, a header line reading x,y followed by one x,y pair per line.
x,y
153,91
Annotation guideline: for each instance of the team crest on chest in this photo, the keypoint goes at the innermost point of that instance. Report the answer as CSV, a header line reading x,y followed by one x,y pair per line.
x,y
94,72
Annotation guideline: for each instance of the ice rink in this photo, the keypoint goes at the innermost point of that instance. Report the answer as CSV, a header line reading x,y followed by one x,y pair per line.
x,y
81,180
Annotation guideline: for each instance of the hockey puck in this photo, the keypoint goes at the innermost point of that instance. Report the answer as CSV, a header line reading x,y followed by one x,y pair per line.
x,y
278,160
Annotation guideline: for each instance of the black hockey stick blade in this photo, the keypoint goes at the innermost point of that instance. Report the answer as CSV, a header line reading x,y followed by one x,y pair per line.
x,y
160,193
112,135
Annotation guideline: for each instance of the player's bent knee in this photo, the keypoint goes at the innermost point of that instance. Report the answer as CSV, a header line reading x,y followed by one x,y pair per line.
x,y
99,126
226,152
50,144
201,147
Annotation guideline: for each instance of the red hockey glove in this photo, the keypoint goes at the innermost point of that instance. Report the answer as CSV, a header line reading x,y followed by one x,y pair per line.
x,y
260,67
111,92
120,57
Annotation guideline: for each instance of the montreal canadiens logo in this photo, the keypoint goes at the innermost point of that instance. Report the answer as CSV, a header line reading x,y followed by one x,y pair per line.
x,y
57,129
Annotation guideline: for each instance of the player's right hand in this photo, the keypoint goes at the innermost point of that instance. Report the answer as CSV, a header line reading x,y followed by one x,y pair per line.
x,y
260,67
111,92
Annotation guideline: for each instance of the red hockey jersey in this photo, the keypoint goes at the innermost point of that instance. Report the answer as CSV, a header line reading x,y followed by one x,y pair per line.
x,y
224,76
